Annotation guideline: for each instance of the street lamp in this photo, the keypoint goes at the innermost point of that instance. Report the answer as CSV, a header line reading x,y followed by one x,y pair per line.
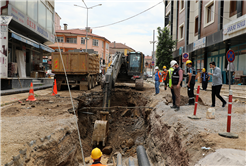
x,y
87,28
153,54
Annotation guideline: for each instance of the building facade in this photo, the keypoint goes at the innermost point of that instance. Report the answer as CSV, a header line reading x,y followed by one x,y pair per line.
x,y
207,30
119,47
29,32
74,39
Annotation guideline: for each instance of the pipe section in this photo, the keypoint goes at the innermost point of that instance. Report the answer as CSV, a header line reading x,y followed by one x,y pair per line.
x,y
119,160
142,156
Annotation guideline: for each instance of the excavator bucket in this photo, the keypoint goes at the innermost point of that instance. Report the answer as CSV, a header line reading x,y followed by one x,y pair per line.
x,y
100,132
139,84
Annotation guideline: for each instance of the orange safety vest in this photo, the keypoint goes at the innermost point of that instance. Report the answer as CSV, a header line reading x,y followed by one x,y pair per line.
x,y
160,80
164,73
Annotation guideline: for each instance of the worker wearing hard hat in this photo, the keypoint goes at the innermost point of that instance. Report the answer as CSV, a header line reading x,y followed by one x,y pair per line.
x,y
205,77
96,155
169,78
177,78
158,80
164,76
191,73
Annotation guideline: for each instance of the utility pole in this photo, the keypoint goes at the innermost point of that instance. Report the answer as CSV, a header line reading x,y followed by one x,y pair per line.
x,y
153,54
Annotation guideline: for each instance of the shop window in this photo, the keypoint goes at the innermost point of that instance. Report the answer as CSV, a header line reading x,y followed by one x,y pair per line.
x,y
233,8
95,42
21,5
41,14
196,25
60,39
82,40
32,10
71,40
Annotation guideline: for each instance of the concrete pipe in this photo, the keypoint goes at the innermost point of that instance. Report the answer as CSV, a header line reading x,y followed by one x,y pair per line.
x,y
119,160
131,162
142,156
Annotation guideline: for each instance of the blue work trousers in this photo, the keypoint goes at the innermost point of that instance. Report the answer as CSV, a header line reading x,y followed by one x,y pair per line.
x,y
157,89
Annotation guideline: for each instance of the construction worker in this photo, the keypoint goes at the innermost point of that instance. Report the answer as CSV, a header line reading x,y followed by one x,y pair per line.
x,y
164,76
177,78
169,76
158,80
205,77
191,73
96,155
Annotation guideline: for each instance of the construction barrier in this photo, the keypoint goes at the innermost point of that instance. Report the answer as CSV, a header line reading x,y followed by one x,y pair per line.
x,y
196,102
31,94
228,133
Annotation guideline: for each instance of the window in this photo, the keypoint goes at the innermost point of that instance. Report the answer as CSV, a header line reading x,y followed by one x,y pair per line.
x,y
102,44
196,25
21,5
167,19
181,32
233,8
60,39
57,50
49,21
107,46
82,40
71,40
41,14
95,42
210,13
32,10
182,5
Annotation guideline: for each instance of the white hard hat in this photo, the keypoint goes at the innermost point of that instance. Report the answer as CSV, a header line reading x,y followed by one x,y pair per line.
x,y
173,62
156,68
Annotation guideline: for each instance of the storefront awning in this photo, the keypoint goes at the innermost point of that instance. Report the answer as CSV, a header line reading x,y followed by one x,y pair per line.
x,y
48,49
24,39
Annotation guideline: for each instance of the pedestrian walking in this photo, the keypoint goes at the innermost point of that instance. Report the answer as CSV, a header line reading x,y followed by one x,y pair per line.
x,y
177,78
191,74
164,76
205,78
96,155
158,80
232,70
169,76
216,84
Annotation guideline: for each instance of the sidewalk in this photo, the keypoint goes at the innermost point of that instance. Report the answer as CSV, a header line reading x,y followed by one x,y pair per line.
x,y
8,99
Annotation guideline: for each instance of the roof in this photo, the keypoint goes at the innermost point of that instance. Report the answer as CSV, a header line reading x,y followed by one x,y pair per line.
x,y
80,32
112,51
119,46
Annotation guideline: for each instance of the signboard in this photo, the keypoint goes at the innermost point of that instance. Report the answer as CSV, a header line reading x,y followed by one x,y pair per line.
x,y
26,21
230,55
4,21
153,63
185,57
234,28
201,43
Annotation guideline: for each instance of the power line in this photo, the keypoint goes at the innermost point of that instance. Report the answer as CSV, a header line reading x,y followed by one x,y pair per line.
x,y
128,17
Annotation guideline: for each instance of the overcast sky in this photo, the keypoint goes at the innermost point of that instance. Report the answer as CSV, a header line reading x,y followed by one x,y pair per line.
x,y
135,33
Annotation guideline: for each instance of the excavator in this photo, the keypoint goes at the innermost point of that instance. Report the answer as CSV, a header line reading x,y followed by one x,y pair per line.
x,y
128,69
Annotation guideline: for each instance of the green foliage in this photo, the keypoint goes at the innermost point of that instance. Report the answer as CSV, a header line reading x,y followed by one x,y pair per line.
x,y
164,48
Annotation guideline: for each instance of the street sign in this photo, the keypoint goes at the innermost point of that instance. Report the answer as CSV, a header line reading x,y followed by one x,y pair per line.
x,y
153,63
230,55
185,57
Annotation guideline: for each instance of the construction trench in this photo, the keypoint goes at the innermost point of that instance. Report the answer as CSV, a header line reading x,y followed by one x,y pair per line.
x,y
47,131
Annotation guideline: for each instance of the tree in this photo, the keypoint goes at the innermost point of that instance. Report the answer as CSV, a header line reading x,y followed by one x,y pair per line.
x,y
164,48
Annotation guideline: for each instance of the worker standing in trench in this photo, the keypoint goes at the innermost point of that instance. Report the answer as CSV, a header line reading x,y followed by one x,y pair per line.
x,y
96,155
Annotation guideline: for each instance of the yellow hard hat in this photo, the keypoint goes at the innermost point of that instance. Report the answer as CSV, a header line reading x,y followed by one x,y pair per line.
x,y
96,153
203,70
164,67
189,61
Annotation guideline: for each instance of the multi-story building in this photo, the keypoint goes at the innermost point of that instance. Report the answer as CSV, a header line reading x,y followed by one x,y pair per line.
x,y
30,29
74,39
207,30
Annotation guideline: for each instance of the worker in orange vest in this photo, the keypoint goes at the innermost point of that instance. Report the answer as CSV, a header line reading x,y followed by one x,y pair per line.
x,y
158,80
164,76
96,155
